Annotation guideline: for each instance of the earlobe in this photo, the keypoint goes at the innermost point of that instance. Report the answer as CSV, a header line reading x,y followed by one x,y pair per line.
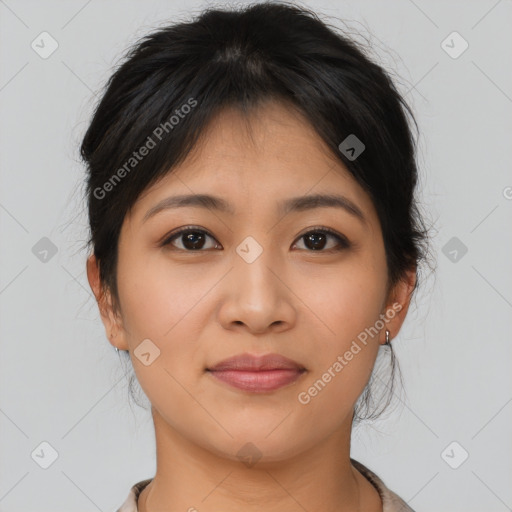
x,y
398,304
104,301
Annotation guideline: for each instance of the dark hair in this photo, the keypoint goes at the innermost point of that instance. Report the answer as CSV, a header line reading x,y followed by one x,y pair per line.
x,y
176,79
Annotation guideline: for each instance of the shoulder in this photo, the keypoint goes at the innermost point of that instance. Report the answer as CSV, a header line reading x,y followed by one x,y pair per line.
x,y
391,502
130,504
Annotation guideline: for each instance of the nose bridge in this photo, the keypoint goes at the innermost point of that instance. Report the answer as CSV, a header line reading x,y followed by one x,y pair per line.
x,y
256,266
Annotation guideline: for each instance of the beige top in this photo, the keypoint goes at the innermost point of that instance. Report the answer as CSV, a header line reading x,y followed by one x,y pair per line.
x,y
391,502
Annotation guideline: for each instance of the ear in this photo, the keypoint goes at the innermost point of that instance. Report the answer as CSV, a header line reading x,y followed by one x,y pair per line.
x,y
397,305
112,322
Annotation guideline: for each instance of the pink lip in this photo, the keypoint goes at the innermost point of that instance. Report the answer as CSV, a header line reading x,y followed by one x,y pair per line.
x,y
258,374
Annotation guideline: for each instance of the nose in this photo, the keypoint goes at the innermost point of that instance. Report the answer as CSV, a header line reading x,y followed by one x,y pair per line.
x,y
256,297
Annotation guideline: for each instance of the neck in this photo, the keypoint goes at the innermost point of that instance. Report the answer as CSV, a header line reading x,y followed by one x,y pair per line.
x,y
191,478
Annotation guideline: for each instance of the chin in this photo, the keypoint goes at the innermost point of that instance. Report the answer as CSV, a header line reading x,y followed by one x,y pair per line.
x,y
259,448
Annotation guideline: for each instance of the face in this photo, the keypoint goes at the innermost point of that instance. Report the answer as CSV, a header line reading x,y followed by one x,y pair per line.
x,y
200,284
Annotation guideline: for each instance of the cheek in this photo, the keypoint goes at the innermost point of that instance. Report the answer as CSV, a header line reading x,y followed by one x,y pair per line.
x,y
162,302
165,303
355,307
349,304
156,295
348,300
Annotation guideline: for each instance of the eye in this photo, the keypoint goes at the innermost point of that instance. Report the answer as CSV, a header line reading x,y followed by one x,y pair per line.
x,y
316,240
194,239
191,239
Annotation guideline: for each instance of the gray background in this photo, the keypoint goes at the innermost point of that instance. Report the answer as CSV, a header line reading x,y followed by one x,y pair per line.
x,y
62,382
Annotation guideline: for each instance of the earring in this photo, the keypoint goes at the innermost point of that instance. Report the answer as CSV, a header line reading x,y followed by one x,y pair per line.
x,y
388,340
117,350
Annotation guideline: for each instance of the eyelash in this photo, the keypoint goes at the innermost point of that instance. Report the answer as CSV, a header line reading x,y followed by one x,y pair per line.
x,y
342,240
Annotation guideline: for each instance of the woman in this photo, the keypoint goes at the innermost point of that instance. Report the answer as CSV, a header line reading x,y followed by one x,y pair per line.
x,y
255,243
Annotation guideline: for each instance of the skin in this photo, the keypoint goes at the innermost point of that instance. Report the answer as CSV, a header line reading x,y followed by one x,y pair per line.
x,y
201,307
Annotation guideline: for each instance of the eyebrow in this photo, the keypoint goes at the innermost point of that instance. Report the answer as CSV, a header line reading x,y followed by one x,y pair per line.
x,y
294,204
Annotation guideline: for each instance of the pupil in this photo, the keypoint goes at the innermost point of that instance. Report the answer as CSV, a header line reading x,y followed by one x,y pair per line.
x,y
317,238
191,242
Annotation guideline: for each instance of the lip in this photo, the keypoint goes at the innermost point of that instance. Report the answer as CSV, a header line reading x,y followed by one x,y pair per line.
x,y
257,374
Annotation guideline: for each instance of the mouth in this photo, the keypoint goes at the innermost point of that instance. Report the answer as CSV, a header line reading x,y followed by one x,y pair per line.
x,y
257,374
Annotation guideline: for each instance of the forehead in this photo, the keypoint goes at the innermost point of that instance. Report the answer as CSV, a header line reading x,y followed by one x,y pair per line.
x,y
271,154
271,133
